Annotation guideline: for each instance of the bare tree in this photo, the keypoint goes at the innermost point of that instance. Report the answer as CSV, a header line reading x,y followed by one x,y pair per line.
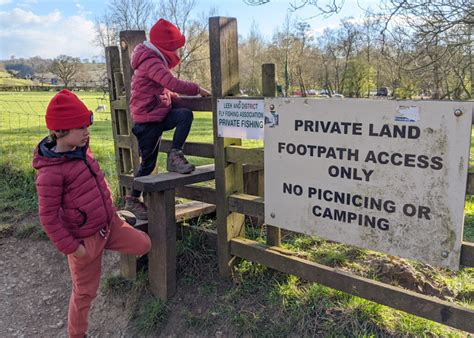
x,y
325,7
66,68
106,31
195,30
131,14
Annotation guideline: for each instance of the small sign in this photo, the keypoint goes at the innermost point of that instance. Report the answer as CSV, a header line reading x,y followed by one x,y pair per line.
x,y
240,118
383,175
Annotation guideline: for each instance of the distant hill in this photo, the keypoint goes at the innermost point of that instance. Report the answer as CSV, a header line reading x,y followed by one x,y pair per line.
x,y
90,75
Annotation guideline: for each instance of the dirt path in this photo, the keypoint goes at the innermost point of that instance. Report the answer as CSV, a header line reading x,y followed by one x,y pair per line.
x,y
35,288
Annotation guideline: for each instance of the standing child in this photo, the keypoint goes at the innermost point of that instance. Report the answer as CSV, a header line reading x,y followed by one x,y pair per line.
x,y
154,89
75,204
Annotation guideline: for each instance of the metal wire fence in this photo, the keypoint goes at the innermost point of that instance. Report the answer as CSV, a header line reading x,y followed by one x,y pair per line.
x,y
22,127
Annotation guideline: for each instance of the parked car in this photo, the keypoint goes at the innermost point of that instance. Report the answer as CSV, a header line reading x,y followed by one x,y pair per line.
x,y
383,91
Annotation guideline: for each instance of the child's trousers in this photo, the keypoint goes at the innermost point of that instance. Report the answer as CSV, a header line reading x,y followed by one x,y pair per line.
x,y
85,271
149,137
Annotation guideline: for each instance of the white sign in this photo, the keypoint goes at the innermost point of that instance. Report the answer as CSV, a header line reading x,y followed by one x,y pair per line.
x,y
384,175
240,118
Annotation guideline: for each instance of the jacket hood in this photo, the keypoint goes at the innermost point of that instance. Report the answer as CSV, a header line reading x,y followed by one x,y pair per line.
x,y
142,53
44,156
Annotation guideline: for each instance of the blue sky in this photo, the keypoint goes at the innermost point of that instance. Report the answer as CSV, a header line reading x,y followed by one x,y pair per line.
x,y
48,28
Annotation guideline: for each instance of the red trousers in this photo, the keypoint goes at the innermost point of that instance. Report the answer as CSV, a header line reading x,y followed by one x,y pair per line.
x,y
85,271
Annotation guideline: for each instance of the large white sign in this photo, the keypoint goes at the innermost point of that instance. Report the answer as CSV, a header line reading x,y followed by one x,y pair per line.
x,y
384,175
240,118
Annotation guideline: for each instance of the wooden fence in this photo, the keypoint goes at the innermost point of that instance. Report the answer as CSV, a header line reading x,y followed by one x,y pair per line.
x,y
233,202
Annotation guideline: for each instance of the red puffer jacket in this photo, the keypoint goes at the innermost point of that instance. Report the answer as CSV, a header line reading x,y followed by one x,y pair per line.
x,y
154,86
73,196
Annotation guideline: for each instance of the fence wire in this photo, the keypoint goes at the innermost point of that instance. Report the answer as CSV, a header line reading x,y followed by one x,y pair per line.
x,y
23,126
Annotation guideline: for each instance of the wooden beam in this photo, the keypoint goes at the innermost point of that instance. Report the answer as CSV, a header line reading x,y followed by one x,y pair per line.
x,y
269,90
223,48
162,232
467,254
128,41
193,103
244,155
197,193
247,204
193,209
200,149
424,306
171,180
470,183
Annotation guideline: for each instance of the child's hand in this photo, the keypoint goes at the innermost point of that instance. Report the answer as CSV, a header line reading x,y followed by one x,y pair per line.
x,y
80,251
204,92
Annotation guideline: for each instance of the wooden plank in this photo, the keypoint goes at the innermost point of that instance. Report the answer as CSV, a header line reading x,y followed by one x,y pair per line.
x,y
197,193
119,86
112,61
470,183
128,266
247,204
112,57
200,149
128,41
424,306
268,80
120,103
467,254
171,180
126,180
245,155
193,103
124,141
193,209
162,231
223,48
269,90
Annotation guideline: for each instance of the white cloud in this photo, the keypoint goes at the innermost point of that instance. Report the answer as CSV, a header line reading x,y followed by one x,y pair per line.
x,y
4,2
26,34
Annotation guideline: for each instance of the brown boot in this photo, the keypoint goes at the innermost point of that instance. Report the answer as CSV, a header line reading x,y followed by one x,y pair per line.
x,y
136,207
178,163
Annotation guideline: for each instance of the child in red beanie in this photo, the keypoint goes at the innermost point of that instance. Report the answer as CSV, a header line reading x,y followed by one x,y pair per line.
x,y
154,88
75,204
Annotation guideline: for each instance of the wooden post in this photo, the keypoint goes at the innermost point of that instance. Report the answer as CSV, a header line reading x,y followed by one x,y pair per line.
x,y
128,263
162,231
223,47
269,90
128,41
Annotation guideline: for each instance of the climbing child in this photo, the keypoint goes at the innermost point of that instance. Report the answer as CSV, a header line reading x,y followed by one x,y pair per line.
x,y
75,204
154,90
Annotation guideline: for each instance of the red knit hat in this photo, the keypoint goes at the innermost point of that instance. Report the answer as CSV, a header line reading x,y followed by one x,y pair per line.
x,y
65,111
165,35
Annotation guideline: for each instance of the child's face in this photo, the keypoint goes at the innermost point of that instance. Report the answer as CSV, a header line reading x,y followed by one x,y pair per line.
x,y
77,137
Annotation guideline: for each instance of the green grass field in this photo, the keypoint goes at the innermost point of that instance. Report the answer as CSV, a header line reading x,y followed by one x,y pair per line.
x,y
22,126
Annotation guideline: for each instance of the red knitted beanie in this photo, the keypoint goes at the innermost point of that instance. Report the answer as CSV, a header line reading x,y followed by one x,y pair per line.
x,y
165,35
65,111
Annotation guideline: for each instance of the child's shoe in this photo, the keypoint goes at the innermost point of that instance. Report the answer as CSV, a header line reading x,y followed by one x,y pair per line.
x,y
136,207
178,163
127,216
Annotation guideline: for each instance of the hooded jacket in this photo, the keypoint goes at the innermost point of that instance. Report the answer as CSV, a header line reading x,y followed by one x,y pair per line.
x,y
73,196
153,85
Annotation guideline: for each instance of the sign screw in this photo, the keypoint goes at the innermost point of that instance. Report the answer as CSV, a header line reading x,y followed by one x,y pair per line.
x,y
458,112
272,215
445,254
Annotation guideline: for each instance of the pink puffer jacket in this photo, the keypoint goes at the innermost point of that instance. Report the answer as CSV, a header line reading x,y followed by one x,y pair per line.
x,y
73,196
154,86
